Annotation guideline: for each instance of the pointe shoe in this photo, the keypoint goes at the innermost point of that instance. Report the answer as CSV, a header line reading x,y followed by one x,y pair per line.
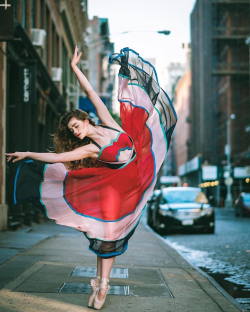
x,y
104,285
94,282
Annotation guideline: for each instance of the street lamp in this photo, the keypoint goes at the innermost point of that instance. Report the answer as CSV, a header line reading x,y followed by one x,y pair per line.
x,y
227,173
162,32
99,41
105,37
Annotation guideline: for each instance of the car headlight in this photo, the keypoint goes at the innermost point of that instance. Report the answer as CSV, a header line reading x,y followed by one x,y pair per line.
x,y
206,211
165,212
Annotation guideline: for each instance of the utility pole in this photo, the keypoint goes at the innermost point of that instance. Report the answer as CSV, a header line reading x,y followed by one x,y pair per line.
x,y
247,41
227,173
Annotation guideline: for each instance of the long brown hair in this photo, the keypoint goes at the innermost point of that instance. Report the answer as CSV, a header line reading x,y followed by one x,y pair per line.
x,y
64,140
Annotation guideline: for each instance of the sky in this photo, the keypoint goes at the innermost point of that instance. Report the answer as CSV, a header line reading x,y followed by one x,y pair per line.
x,y
142,19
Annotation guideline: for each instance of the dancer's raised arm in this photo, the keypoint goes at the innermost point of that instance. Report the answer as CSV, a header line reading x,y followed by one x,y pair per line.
x,y
101,108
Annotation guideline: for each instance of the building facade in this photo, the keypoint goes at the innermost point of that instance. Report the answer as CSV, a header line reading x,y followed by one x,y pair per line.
x,y
182,130
100,73
182,104
37,40
219,112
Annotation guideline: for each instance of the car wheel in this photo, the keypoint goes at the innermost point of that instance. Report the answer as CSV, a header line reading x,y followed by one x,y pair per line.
x,y
149,219
210,230
241,213
157,227
160,231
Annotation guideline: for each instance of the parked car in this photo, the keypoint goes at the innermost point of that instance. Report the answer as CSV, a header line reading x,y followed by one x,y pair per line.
x,y
170,181
242,205
179,208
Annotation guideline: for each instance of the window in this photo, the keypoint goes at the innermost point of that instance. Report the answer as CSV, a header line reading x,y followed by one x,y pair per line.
x,y
23,13
33,13
65,65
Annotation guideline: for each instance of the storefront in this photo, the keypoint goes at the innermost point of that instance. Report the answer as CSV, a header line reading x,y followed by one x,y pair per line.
x,y
208,177
211,184
33,104
241,180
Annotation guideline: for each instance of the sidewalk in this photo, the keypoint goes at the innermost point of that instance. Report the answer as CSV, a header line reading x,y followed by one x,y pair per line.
x,y
48,269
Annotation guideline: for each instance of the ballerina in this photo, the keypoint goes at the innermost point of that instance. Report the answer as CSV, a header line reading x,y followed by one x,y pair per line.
x,y
100,177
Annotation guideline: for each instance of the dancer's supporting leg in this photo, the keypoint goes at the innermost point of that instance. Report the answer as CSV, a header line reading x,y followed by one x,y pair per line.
x,y
106,265
98,267
95,282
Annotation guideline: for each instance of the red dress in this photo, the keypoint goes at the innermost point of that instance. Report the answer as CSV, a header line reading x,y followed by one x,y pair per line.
x,y
106,203
110,153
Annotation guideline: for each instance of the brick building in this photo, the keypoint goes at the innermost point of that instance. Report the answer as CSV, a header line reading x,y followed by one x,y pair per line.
x,y
37,40
182,131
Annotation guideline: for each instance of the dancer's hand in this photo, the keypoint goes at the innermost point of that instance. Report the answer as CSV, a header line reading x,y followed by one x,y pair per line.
x,y
16,156
76,58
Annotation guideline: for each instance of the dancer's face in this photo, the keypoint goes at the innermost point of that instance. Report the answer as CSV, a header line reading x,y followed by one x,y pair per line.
x,y
78,127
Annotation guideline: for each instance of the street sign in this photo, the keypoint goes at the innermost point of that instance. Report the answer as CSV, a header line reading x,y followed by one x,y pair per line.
x,y
209,173
229,181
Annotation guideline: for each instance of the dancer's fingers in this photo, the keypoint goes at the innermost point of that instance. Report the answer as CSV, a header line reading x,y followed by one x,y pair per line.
x,y
75,49
18,158
9,158
79,56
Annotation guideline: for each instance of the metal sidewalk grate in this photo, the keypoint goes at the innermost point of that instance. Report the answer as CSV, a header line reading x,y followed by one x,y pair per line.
x,y
55,278
83,288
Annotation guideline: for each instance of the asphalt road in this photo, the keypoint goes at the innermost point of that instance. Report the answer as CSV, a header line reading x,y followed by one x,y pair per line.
x,y
225,255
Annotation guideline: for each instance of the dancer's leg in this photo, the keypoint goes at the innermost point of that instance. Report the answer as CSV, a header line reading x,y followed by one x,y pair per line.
x,y
98,267
106,265
95,282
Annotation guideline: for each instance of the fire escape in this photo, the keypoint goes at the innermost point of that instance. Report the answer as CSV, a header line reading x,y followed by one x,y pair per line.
x,y
232,26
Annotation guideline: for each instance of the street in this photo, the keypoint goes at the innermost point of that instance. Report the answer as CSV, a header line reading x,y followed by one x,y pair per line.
x,y
224,255
116,136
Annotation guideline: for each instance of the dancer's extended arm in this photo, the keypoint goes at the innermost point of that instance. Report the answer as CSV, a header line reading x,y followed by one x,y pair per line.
x,y
76,154
101,108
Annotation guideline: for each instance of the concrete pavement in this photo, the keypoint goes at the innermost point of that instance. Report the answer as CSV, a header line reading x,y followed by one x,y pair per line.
x,y
47,268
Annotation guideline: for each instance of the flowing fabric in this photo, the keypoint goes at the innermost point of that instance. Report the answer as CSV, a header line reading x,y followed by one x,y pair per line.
x,y
106,203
